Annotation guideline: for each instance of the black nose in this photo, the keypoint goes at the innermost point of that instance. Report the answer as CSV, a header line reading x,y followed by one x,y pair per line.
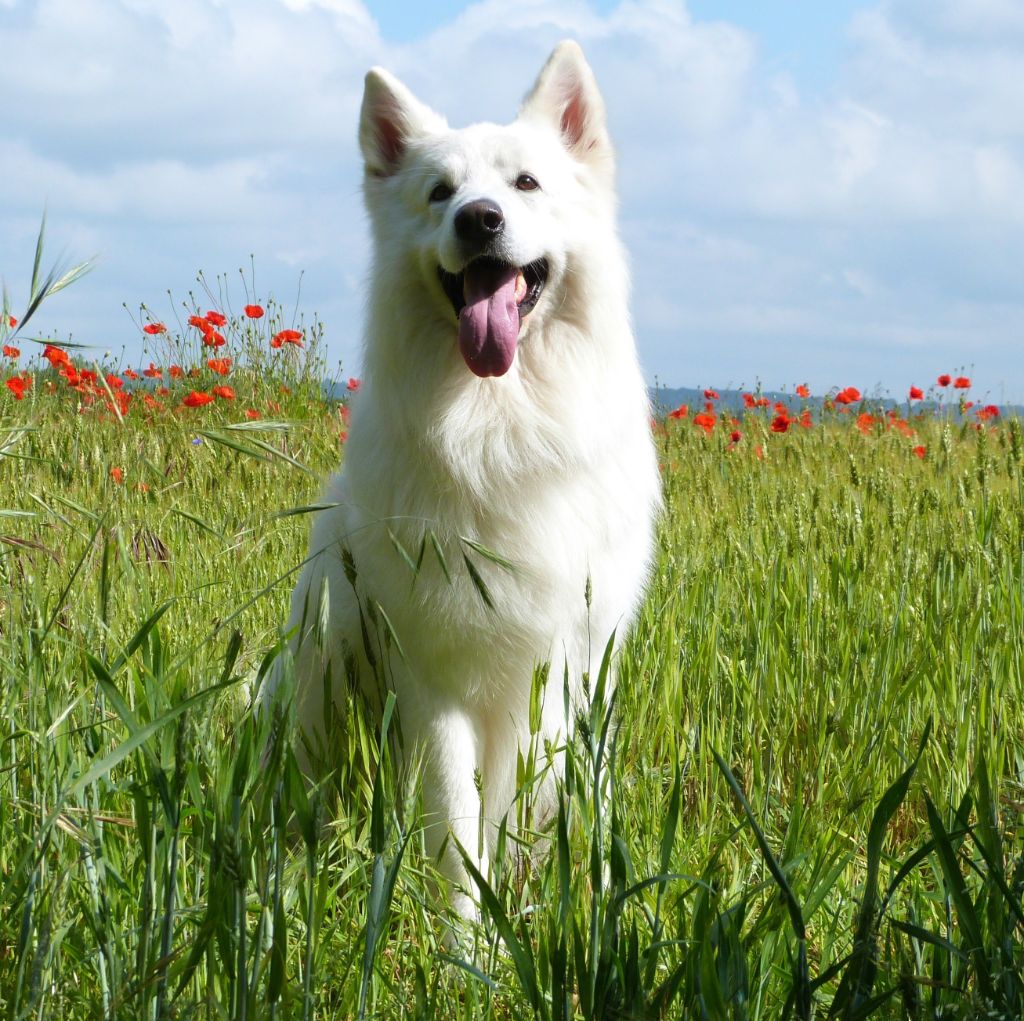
x,y
480,221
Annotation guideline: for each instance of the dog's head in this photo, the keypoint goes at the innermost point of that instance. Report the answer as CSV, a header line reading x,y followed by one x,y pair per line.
x,y
489,217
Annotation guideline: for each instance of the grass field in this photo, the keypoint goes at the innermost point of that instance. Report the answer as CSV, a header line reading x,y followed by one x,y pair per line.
x,y
814,771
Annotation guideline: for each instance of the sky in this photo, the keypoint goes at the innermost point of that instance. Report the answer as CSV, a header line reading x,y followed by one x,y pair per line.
x,y
829,193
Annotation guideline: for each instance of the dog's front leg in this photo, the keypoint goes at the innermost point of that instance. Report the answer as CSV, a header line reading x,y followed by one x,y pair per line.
x,y
451,801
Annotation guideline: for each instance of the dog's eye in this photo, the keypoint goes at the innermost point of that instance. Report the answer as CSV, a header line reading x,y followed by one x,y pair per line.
x,y
524,182
441,193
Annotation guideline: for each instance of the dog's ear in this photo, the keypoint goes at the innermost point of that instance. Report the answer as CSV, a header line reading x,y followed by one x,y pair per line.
x,y
391,117
566,95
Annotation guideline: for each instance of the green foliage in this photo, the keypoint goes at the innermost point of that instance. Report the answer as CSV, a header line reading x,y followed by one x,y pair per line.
x,y
757,824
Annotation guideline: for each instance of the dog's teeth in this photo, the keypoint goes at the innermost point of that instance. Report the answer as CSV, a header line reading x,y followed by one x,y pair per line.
x,y
521,288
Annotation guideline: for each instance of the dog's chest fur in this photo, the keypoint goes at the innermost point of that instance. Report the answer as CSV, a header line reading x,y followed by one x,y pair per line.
x,y
551,485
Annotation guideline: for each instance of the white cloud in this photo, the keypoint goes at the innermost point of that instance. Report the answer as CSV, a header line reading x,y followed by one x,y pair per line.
x,y
95,79
144,190
908,61
960,20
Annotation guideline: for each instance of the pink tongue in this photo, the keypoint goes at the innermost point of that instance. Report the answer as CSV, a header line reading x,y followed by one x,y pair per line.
x,y
489,322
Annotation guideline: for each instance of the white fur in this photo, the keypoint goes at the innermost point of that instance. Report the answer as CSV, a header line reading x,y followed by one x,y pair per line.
x,y
551,465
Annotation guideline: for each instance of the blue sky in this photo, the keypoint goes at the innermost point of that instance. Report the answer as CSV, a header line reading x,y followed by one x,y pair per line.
x,y
806,36
820,192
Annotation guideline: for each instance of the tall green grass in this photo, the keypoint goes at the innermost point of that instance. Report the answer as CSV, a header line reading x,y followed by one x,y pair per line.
x,y
806,801
803,799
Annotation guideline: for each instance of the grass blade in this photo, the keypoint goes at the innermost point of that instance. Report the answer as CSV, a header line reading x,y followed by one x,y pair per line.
x,y
488,554
858,981
801,978
956,888
519,950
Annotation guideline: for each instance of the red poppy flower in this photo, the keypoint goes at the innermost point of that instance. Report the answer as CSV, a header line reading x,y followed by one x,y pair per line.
x,y
749,401
11,352
117,474
12,322
198,322
222,366
805,418
152,372
252,414
780,424
916,394
216,318
919,452
56,356
354,384
849,395
130,374
706,420
176,371
213,338
286,337
225,393
710,395
18,385
197,399
735,436
962,383
944,380
681,412
865,421
114,382
254,311
802,391
154,328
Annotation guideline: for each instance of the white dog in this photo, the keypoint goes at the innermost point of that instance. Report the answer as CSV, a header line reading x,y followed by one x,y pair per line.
x,y
502,409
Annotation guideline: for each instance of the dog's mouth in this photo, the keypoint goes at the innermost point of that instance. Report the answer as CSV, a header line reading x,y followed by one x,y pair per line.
x,y
491,298
534,277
